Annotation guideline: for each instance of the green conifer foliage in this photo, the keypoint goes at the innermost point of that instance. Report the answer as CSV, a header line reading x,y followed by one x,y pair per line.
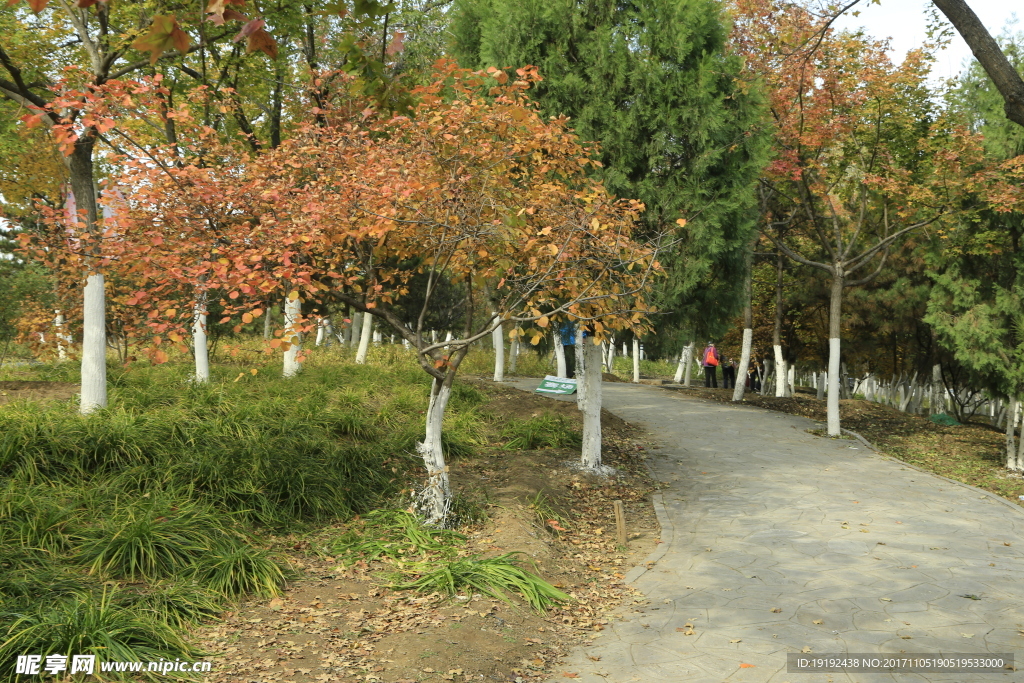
x,y
654,84
977,303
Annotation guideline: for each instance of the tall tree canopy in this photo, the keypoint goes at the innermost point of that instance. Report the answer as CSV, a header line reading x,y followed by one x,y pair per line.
x,y
656,86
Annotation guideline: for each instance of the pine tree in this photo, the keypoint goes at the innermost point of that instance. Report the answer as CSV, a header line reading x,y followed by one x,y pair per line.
x,y
654,84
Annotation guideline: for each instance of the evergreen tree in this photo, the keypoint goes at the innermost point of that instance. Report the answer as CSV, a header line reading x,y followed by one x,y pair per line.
x,y
655,85
977,303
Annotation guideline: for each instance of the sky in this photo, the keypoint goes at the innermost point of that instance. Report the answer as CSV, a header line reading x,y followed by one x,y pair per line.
x,y
905,23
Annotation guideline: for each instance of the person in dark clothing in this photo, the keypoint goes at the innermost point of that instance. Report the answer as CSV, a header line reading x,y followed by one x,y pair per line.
x,y
728,374
568,334
710,362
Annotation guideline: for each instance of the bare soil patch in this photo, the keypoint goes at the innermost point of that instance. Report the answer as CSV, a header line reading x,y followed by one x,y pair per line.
x,y
30,390
346,624
971,453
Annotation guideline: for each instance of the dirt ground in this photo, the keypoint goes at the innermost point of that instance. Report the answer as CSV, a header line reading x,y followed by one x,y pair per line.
x,y
29,390
345,624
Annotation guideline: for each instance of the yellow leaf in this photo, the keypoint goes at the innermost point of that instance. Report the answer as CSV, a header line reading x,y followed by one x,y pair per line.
x,y
171,312
253,372
543,321
293,295
246,317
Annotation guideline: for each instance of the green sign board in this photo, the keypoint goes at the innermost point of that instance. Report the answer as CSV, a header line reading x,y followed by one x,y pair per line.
x,y
557,385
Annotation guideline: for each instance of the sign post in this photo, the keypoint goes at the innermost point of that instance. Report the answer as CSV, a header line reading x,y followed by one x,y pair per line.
x,y
557,385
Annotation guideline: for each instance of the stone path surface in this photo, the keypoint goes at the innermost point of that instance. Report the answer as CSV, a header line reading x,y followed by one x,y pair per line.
x,y
777,541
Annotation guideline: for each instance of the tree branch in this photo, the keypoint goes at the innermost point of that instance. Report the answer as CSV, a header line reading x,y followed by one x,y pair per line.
x,y
986,51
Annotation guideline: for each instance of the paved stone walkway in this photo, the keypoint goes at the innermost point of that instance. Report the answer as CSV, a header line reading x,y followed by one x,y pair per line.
x,y
776,541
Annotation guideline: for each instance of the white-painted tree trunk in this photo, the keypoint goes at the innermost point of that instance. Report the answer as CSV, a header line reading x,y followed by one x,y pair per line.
x,y
581,370
689,364
625,350
1020,446
58,322
611,355
780,372
320,324
741,371
680,367
365,335
94,346
292,313
435,497
559,355
499,350
199,338
636,360
356,329
591,454
447,337
833,387
820,382
1011,445
790,381
513,353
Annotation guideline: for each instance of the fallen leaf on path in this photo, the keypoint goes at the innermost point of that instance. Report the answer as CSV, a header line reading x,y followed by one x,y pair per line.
x,y
818,621
746,666
805,648
736,640
777,610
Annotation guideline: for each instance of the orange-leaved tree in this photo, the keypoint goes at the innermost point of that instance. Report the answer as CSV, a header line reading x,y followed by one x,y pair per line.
x,y
862,154
475,191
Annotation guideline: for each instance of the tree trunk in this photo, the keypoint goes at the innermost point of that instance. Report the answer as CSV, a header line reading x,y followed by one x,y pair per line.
x,y
636,360
780,361
435,497
292,313
591,453
611,355
680,367
513,353
94,346
199,346
266,320
320,331
355,329
689,363
1011,445
581,369
821,380
1020,446
560,369
499,351
834,333
58,322
740,382
988,53
790,380
365,335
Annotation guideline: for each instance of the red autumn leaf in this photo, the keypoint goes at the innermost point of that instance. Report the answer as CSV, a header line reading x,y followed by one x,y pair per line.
x,y
262,41
248,29
397,43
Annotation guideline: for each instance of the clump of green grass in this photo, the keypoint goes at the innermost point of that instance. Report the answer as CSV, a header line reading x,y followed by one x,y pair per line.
x,y
394,535
87,624
494,576
547,515
543,431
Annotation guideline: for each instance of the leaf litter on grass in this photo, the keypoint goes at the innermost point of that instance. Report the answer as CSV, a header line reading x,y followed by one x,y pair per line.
x,y
342,621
